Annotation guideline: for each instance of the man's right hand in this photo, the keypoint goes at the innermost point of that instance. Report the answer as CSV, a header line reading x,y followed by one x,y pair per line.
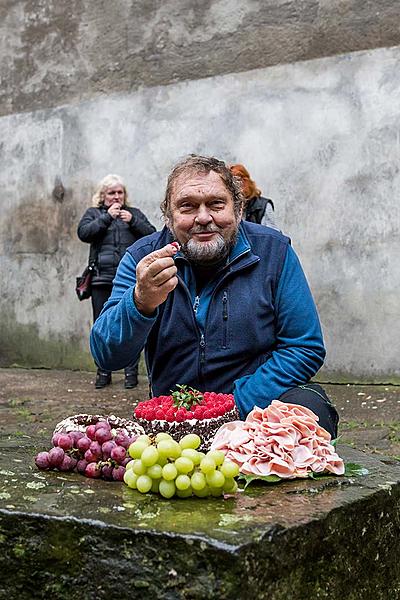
x,y
155,279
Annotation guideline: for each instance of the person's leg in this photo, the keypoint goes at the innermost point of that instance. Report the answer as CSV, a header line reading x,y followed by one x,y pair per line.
x,y
131,376
313,396
100,295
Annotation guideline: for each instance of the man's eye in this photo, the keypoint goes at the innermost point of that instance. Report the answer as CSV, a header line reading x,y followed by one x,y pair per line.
x,y
217,203
186,206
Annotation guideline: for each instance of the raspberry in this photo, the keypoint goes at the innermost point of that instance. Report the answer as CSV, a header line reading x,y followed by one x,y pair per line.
x,y
207,414
165,399
160,414
149,415
180,415
170,415
198,412
190,415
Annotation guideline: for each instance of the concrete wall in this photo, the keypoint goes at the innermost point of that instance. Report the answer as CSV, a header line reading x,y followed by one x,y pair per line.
x,y
321,137
55,52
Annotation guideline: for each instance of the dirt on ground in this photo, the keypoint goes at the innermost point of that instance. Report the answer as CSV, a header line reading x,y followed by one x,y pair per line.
x,y
32,401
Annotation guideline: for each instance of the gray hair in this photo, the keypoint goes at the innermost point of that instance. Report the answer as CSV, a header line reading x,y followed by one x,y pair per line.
x,y
203,164
108,181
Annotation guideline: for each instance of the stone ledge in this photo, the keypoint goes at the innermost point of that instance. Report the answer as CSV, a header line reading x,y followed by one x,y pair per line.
x,y
65,536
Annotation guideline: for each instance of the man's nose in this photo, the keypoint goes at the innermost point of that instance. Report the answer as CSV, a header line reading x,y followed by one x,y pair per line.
x,y
203,216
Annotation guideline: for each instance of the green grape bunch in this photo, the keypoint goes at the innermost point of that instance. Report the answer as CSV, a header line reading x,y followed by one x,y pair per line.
x,y
164,466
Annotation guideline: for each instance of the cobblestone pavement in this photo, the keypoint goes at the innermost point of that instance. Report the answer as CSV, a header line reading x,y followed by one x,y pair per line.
x,y
32,401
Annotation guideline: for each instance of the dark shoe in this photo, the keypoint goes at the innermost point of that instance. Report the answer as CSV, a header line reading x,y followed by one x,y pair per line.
x,y
103,378
131,381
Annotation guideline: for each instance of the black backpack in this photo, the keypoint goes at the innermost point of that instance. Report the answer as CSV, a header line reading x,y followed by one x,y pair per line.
x,y
255,209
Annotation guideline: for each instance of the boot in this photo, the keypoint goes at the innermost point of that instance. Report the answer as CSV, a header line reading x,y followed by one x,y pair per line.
x,y
103,378
131,377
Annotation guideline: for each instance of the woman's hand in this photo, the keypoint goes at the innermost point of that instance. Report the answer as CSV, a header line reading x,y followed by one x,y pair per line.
x,y
125,215
114,210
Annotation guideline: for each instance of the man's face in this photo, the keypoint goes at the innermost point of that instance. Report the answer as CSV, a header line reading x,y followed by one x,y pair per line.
x,y
114,194
202,216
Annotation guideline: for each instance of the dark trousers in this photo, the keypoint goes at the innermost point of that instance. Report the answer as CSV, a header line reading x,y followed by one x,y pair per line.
x,y
313,396
100,295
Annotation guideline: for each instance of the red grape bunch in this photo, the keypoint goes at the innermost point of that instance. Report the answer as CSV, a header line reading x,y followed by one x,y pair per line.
x,y
99,452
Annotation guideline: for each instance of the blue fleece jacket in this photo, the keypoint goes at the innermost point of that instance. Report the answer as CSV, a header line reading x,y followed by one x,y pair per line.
x,y
253,331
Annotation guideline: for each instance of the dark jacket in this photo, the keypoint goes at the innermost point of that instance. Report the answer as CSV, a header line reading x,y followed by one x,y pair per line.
x,y
109,238
255,209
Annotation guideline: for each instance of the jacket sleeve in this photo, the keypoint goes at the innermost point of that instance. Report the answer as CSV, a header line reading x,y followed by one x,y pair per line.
x,y
299,351
140,225
93,225
120,332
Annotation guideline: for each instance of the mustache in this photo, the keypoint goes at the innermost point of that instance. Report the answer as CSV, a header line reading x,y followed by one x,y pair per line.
x,y
210,228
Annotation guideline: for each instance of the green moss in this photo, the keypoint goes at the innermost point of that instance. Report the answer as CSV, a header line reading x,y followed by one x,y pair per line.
x,y
14,402
22,346
19,550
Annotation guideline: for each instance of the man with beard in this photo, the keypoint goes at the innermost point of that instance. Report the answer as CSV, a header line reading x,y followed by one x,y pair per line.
x,y
229,311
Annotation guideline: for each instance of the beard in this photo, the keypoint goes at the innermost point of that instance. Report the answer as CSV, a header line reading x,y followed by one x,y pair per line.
x,y
211,252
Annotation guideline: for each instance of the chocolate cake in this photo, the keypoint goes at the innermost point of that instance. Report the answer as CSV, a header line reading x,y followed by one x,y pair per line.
x,y
187,411
80,422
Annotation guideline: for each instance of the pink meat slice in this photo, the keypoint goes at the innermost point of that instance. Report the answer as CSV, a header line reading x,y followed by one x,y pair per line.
x,y
281,439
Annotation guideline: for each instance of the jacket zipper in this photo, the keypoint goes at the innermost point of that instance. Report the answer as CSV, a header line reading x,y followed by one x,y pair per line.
x,y
220,283
202,343
202,350
225,319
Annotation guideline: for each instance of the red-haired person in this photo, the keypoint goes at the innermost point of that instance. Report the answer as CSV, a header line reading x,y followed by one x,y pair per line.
x,y
257,209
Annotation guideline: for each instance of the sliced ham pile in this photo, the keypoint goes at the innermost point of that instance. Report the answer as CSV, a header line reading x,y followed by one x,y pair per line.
x,y
282,439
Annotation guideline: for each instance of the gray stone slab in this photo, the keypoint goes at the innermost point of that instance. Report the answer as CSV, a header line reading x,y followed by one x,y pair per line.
x,y
65,536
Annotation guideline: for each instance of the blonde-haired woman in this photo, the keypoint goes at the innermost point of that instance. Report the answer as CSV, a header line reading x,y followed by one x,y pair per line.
x,y
110,226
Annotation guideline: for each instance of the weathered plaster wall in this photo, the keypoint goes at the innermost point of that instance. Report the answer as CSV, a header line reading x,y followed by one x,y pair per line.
x,y
58,52
320,137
